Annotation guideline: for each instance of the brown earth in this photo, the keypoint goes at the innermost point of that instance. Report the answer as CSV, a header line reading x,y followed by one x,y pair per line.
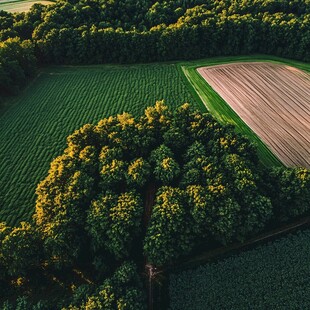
x,y
273,100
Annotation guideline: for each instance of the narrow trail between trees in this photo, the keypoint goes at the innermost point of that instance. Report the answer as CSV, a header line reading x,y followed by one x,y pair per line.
x,y
149,202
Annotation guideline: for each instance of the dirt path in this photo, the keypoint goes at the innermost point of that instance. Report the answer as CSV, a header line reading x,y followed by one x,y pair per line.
x,y
273,100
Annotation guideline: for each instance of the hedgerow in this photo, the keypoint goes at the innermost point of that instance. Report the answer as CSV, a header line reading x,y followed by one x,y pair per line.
x,y
125,31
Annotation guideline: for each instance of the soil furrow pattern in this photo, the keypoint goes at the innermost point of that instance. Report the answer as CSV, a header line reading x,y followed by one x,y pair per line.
x,y
273,100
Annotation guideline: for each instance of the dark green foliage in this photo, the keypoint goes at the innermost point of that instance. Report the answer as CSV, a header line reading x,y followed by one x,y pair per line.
x,y
100,191
290,191
169,234
23,303
112,167
214,212
198,166
114,222
17,64
148,31
59,208
123,291
122,190
20,249
166,169
272,276
138,172
241,182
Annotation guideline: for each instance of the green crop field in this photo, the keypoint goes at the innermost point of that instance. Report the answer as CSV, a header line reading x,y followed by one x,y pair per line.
x,y
19,6
273,276
34,126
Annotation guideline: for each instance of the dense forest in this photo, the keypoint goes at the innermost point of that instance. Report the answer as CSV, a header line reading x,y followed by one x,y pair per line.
x,y
128,31
134,192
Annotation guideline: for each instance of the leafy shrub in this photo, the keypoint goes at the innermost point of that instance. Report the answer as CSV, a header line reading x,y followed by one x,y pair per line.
x,y
290,191
20,249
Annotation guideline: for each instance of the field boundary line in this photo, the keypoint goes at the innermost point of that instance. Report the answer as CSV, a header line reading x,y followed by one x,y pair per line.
x,y
268,236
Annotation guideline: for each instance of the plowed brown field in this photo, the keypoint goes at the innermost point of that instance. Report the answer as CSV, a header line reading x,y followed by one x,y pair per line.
x,y
273,100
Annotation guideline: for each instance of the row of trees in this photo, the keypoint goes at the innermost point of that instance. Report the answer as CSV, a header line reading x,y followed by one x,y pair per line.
x,y
126,31
17,65
191,37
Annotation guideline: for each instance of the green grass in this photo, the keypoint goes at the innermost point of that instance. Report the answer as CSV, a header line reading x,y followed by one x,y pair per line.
x,y
272,276
34,126
19,6
220,109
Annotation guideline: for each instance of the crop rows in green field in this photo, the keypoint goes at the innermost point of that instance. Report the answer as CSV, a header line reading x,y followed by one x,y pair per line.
x,y
34,126
273,276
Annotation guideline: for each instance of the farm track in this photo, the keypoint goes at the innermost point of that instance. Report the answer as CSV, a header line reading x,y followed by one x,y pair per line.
x,y
34,126
273,100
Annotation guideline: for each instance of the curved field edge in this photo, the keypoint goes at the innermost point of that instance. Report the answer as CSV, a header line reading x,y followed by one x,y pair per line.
x,y
220,109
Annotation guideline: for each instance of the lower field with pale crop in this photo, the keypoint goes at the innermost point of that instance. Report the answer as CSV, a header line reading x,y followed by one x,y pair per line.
x,y
34,126
18,6
272,276
273,100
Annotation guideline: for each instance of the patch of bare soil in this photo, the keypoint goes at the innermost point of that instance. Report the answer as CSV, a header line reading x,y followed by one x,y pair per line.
x,y
273,100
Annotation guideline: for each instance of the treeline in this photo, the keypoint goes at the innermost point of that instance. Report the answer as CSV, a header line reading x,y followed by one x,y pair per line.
x,y
17,64
127,31
148,190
